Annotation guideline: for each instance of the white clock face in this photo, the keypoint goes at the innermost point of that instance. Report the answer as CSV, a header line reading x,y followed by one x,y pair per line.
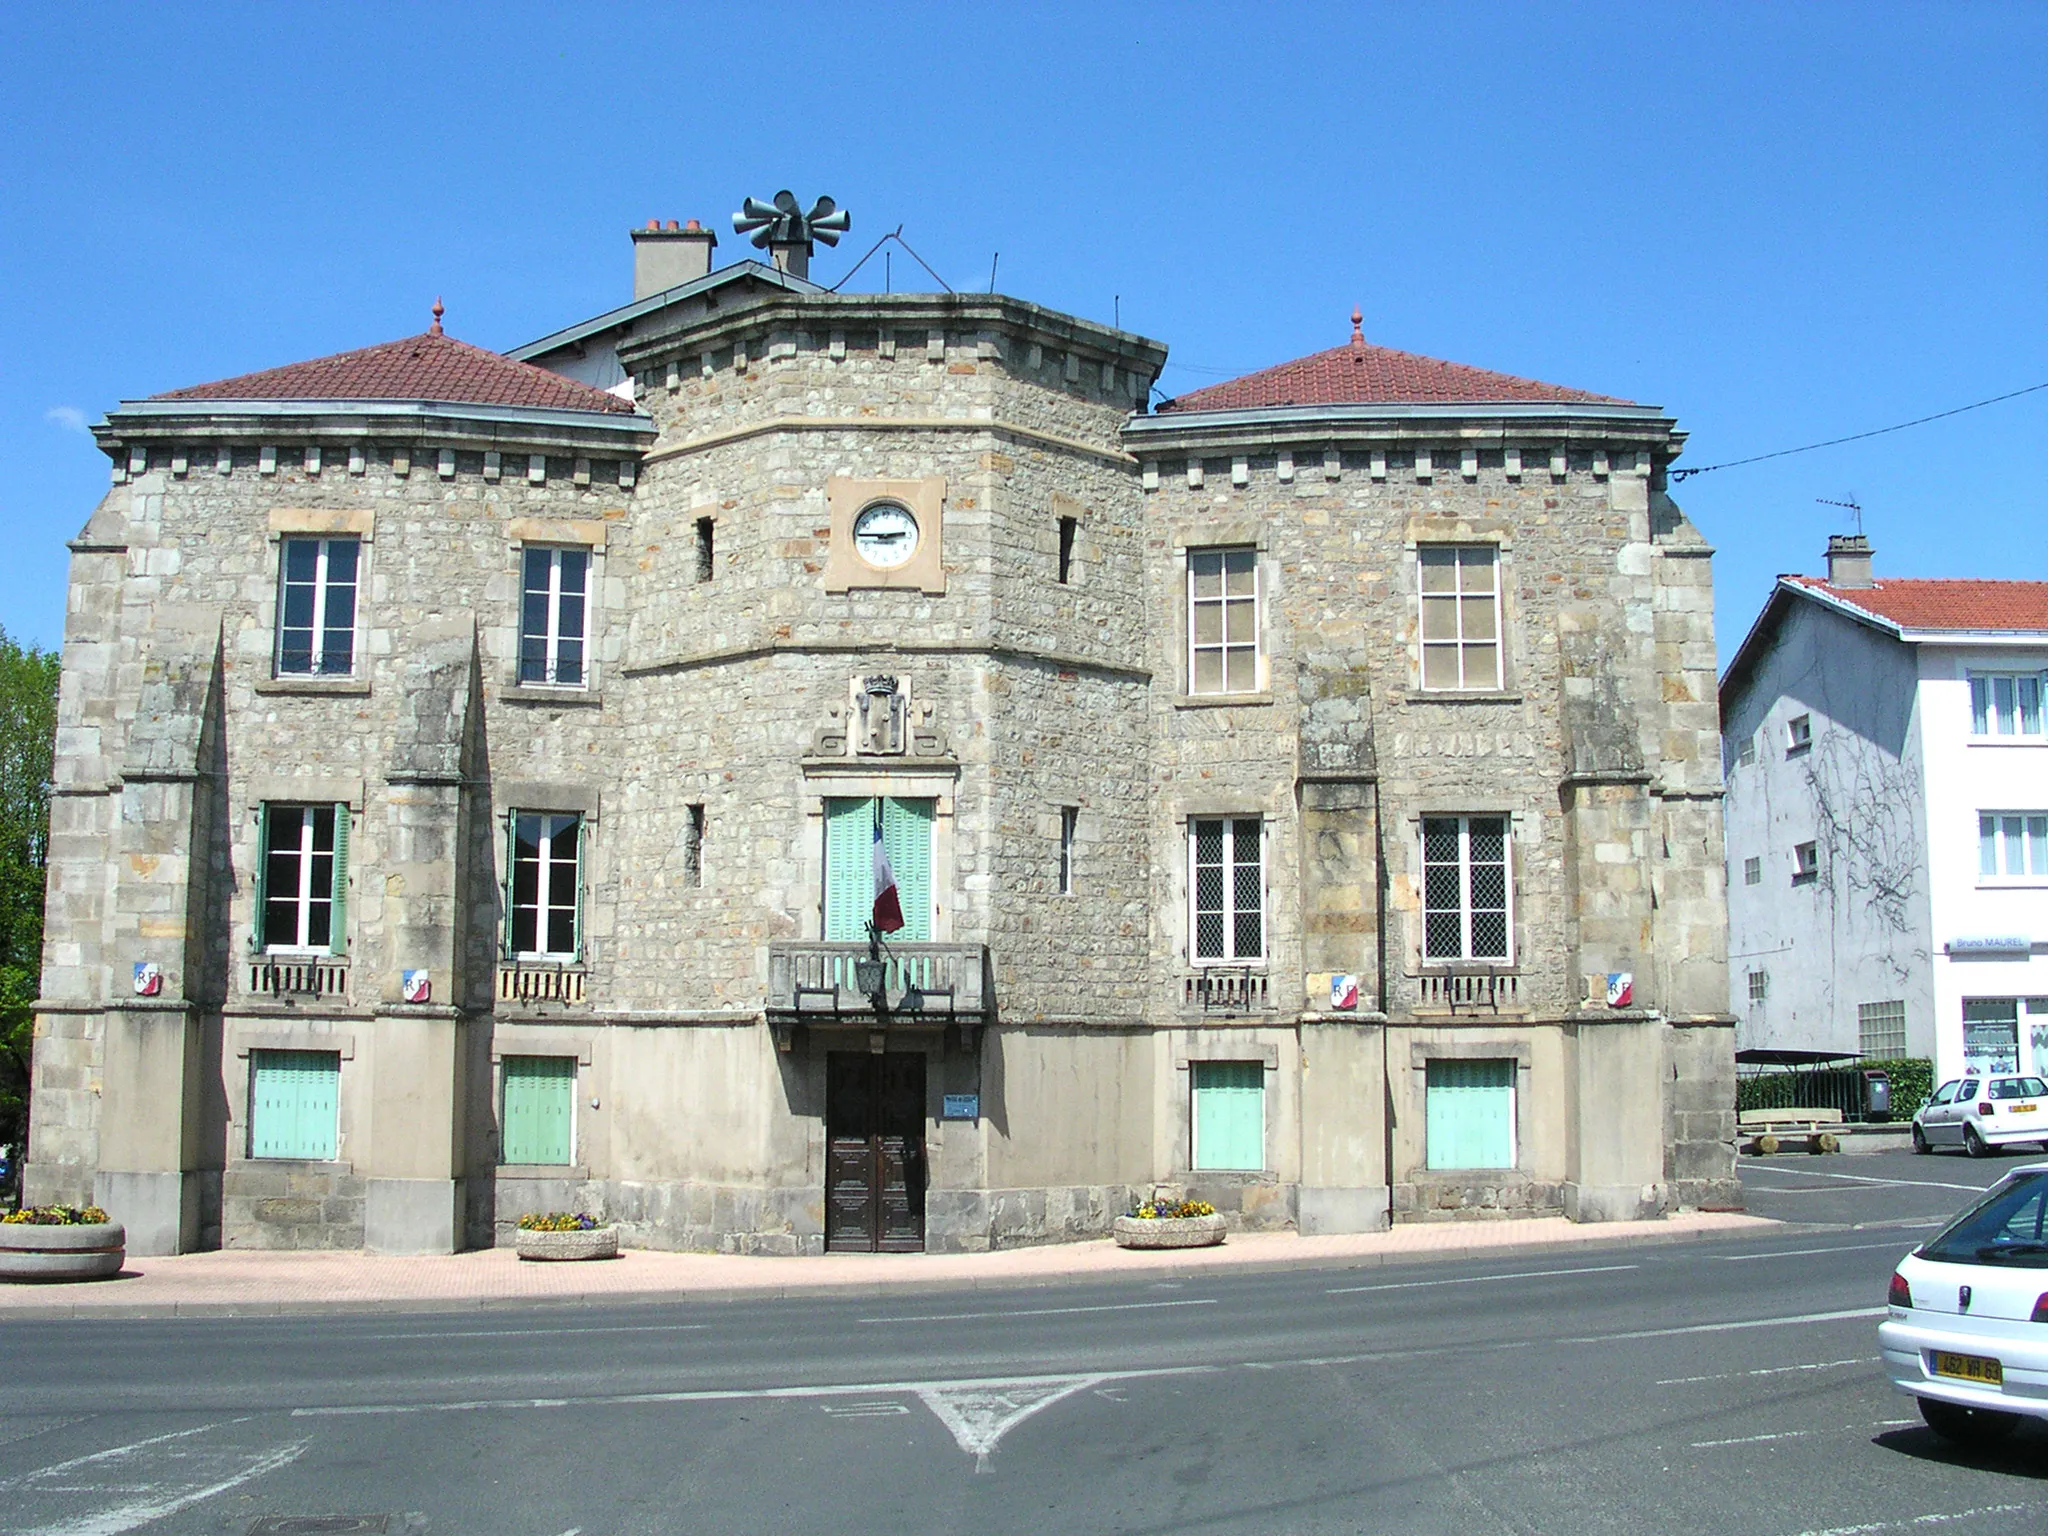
x,y
885,535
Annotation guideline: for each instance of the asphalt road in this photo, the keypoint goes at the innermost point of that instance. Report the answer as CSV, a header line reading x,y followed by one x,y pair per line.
x,y
1727,1386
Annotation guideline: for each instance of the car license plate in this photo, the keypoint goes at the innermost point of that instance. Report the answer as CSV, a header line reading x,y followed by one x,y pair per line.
x,y
1969,1368
2023,1109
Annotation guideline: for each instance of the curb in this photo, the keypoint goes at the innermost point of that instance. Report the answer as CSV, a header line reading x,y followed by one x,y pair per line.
x,y
855,1290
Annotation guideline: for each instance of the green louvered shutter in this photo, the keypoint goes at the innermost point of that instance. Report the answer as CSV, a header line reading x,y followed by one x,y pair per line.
x,y
907,835
1470,1114
337,927
1230,1114
260,885
294,1104
539,1092
849,869
505,884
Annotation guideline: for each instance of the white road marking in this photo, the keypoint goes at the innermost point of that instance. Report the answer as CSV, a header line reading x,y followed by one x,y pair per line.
x,y
1769,1370
1864,1178
1801,1253
981,1416
742,1394
957,1317
1922,1522
162,1486
865,1410
1790,1434
1755,1322
1527,1274
523,1333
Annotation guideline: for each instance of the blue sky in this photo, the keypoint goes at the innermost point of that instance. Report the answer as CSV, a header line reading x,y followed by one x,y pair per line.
x,y
1782,223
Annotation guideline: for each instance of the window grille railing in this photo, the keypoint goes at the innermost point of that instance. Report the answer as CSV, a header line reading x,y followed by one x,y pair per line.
x,y
1226,989
539,984
313,976
1456,990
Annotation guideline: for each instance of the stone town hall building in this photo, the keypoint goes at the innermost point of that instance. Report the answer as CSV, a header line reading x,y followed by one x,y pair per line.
x,y
1305,793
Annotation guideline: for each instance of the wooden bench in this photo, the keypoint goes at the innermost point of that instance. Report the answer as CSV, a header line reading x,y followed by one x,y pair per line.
x,y
1818,1126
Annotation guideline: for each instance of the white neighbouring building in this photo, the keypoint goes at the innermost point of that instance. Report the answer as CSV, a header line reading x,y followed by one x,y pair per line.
x,y
1886,746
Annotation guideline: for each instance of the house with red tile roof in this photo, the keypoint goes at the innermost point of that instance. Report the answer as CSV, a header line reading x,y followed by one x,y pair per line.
x,y
796,769
1886,749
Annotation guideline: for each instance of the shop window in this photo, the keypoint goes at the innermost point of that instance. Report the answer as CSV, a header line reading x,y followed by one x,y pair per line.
x,y
1991,1035
294,1104
1469,1119
1229,1114
538,1110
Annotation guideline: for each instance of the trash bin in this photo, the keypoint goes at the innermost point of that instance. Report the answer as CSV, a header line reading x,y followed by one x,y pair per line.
x,y
1877,1095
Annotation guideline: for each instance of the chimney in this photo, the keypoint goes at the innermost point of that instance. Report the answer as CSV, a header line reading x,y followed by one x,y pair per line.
x,y
791,256
1849,561
667,256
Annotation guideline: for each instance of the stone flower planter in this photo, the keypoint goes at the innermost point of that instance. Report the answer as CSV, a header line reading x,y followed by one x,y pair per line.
x,y
1169,1232
29,1251
597,1243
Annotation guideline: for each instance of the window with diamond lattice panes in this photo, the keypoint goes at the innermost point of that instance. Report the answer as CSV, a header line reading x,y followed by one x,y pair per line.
x,y
1223,621
316,608
1228,888
1460,616
1465,889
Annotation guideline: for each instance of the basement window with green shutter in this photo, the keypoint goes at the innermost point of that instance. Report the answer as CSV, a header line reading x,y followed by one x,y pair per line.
x,y
539,1110
1230,1114
1469,1119
294,1104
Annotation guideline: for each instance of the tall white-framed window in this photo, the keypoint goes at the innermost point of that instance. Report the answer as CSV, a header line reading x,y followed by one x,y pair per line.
x,y
1467,896
1460,585
1223,621
316,606
1753,870
544,896
554,608
1226,889
2008,703
1759,987
1746,755
2012,845
302,878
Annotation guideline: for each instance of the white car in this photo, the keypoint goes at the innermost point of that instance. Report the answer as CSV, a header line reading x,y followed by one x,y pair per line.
x,y
1968,1330
1979,1113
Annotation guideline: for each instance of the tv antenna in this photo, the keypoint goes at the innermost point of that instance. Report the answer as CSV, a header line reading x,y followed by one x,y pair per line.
x,y
1851,504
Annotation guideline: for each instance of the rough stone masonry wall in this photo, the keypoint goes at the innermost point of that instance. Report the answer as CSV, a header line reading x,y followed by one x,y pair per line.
x,y
1337,567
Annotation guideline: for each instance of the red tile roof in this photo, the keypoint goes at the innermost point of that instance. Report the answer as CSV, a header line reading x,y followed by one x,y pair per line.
x,y
1943,604
429,366
1362,374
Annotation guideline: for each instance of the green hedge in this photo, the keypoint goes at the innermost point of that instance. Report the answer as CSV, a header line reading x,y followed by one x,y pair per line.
x,y
1912,1081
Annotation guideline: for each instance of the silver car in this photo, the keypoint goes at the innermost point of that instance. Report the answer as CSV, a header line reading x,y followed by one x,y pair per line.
x,y
1979,1113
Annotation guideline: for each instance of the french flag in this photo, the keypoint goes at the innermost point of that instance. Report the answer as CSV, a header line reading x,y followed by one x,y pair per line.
x,y
888,910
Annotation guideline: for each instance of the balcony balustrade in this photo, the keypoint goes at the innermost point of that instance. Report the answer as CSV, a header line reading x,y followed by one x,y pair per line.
x,y
810,980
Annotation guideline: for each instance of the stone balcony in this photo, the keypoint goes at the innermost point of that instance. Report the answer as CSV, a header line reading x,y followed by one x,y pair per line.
x,y
814,982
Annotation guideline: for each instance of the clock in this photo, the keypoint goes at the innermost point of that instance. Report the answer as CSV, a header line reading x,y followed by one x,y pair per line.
x,y
885,535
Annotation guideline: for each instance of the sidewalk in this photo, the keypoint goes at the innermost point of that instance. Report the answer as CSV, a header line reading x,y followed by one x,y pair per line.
x,y
246,1283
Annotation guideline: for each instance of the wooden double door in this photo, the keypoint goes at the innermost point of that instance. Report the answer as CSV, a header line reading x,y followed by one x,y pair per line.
x,y
874,1152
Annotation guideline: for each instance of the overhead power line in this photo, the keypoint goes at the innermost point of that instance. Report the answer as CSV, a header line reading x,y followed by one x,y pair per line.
x,y
1855,437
